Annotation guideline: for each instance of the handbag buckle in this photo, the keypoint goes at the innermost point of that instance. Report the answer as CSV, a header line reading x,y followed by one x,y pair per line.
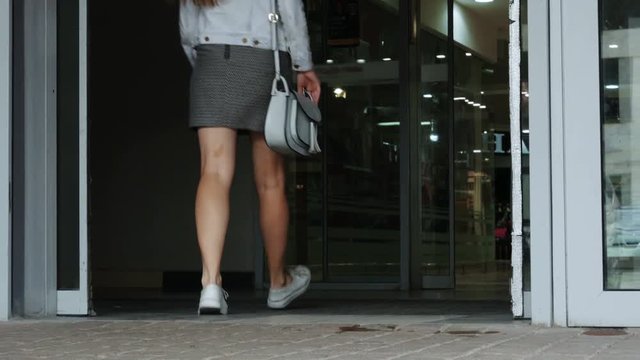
x,y
274,18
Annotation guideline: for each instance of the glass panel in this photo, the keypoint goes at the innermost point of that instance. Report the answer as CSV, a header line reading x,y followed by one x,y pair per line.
x,y
482,161
620,66
435,121
68,260
305,184
344,203
362,149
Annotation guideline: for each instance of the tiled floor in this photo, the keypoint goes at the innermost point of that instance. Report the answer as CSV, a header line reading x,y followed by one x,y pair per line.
x,y
319,326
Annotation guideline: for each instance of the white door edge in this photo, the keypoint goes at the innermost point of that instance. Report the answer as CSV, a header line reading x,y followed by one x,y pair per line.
x,y
76,302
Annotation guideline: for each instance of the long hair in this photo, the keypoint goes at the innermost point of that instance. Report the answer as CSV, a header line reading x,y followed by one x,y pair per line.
x,y
204,3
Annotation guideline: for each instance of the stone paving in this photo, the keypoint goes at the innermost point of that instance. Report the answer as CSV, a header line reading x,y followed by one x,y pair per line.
x,y
355,330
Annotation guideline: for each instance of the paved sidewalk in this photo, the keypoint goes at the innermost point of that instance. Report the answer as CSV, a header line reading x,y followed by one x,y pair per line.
x,y
342,330
180,339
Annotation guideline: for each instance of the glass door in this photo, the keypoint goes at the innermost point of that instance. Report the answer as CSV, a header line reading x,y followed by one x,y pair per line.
x,y
434,104
602,130
345,204
465,157
72,201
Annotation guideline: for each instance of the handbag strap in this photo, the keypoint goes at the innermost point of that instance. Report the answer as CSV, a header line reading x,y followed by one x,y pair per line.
x,y
274,19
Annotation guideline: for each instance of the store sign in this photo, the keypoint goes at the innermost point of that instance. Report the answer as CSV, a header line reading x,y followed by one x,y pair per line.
x,y
502,142
344,23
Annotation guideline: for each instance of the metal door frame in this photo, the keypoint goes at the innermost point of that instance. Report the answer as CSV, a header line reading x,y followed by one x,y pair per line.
x,y
34,158
589,303
540,88
76,302
5,157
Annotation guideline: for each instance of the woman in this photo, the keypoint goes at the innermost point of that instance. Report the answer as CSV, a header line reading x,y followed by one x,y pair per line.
x,y
229,45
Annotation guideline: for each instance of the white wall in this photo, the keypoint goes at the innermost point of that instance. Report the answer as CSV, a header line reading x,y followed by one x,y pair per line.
x,y
5,157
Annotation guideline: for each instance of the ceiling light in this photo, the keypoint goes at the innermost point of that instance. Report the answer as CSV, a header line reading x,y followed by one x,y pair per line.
x,y
361,61
525,131
483,107
484,1
481,92
434,137
459,98
427,96
389,123
468,54
340,93
441,56
386,59
612,87
613,46
477,151
329,61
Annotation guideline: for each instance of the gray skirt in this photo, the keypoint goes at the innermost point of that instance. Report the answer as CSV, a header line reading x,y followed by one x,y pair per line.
x,y
231,86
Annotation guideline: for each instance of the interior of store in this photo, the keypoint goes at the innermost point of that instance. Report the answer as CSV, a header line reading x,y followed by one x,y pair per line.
x,y
345,204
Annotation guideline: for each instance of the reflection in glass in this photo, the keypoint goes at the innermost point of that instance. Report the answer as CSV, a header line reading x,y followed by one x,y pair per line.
x,y
363,139
305,185
620,66
345,207
435,122
482,161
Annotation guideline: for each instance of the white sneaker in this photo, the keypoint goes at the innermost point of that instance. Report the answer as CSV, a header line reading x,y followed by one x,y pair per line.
x,y
213,301
300,279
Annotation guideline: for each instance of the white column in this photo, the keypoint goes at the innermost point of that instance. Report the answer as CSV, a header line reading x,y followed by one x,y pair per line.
x,y
5,158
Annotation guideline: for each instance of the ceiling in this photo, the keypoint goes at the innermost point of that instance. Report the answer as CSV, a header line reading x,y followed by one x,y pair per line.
x,y
496,12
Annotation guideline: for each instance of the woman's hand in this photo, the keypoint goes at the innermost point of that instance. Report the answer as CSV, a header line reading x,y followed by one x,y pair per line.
x,y
308,80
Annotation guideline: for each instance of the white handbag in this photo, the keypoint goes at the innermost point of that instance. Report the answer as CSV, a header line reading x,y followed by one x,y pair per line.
x,y
291,126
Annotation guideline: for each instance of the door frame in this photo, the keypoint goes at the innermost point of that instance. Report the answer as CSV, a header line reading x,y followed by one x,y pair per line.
x,y
542,20
76,302
5,156
588,302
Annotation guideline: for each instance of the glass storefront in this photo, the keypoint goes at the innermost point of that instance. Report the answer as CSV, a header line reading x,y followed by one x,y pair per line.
x,y
620,69
346,208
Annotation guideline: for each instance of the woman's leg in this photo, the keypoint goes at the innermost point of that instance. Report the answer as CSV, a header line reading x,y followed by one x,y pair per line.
x,y
217,152
269,175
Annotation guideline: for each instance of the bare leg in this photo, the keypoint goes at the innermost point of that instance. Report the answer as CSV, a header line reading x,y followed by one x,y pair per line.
x,y
217,151
269,175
